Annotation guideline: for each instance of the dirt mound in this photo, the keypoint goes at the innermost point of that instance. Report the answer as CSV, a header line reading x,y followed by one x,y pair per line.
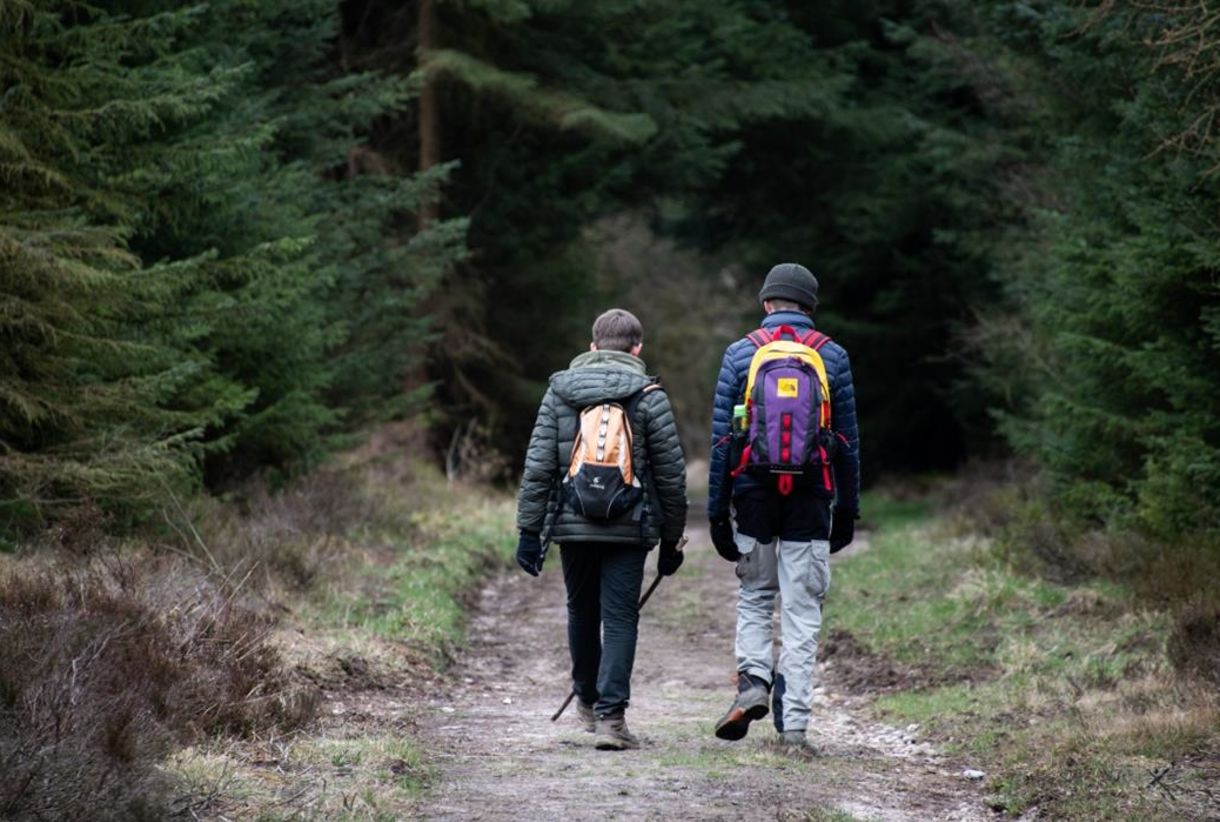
x,y
858,669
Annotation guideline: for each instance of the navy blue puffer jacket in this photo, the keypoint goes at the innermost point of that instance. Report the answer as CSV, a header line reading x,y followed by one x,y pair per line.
x,y
730,388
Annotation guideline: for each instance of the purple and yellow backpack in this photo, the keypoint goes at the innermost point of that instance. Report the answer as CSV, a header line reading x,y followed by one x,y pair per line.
x,y
786,429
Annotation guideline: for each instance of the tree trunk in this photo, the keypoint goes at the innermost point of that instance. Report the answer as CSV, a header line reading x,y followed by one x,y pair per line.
x,y
429,119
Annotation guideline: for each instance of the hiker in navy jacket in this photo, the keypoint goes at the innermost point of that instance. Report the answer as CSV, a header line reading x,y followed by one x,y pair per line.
x,y
781,541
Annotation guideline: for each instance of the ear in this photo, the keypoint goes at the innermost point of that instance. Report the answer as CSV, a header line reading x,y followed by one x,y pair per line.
x,y
592,346
636,349
767,307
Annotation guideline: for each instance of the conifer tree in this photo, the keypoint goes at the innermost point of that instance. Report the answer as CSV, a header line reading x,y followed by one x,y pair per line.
x,y
1114,284
90,386
558,114
312,288
201,264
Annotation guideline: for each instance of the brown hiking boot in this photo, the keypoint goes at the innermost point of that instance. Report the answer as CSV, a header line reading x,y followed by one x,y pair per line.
x,y
612,734
751,704
584,713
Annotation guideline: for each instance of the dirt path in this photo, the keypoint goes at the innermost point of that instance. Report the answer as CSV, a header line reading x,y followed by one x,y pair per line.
x,y
487,724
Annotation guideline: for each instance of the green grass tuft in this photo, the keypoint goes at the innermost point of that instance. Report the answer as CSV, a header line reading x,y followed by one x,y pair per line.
x,y
1064,693
428,562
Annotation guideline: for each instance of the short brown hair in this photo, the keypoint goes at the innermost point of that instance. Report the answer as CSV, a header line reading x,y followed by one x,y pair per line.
x,y
617,330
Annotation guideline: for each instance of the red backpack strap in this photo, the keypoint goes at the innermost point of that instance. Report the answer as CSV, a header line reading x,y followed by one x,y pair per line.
x,y
815,339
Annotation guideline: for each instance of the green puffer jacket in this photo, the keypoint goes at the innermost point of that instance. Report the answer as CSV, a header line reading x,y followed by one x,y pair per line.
x,y
594,377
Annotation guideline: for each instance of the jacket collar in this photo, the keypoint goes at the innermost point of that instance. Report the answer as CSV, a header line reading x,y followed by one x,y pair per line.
x,y
796,319
609,359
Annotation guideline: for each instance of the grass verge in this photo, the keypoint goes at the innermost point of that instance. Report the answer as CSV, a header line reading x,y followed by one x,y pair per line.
x,y
420,560
1064,694
374,621
108,663
172,673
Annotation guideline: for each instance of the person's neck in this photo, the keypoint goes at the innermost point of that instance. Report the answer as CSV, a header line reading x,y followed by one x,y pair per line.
x,y
791,313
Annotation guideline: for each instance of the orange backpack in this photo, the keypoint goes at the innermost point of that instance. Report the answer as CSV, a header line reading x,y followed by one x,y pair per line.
x,y
601,481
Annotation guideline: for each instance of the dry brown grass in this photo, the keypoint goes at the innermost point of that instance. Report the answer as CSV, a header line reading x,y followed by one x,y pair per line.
x,y
117,656
1011,503
278,544
1194,645
110,661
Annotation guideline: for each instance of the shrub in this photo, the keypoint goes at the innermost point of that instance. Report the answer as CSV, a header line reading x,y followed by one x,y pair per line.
x,y
1194,645
106,666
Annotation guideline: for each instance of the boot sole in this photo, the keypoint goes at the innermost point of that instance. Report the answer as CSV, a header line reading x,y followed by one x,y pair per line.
x,y
615,745
736,724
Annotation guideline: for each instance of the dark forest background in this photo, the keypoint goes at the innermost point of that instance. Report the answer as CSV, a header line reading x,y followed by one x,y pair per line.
x,y
238,236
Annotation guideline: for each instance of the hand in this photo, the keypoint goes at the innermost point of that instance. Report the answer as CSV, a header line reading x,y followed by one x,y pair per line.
x,y
722,538
529,553
842,529
669,560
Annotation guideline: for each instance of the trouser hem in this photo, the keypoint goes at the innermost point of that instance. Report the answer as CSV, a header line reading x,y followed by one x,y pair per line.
x,y
761,673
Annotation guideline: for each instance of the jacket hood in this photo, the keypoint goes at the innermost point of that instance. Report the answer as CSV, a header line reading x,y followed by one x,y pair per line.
x,y
595,376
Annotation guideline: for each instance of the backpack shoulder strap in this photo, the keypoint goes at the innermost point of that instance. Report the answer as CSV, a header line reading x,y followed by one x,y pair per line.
x,y
629,408
633,401
759,337
815,339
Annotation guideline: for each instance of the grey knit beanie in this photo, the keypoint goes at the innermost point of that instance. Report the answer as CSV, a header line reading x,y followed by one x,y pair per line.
x,y
791,281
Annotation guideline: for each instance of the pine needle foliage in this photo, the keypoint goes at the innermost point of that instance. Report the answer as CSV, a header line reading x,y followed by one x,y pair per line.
x,y
561,113
87,390
1115,281
203,274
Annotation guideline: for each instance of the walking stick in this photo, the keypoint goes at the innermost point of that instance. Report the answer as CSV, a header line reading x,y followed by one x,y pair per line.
x,y
643,599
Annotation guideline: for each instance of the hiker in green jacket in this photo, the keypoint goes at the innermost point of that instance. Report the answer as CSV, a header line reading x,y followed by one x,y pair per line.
x,y
605,478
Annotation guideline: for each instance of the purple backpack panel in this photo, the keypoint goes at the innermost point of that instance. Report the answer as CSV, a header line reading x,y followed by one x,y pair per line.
x,y
783,432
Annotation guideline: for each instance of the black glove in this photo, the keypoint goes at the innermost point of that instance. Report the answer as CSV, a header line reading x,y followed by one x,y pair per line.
x,y
843,529
722,538
529,553
670,558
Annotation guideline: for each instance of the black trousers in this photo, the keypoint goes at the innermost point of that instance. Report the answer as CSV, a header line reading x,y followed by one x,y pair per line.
x,y
603,582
